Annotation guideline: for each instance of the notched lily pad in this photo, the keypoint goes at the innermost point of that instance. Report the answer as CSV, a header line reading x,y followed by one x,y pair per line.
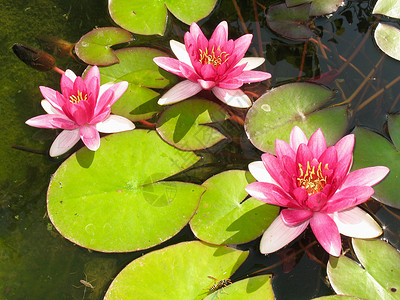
x,y
225,216
115,199
377,278
290,22
184,124
318,7
94,48
137,67
150,17
390,8
372,149
275,113
387,38
180,271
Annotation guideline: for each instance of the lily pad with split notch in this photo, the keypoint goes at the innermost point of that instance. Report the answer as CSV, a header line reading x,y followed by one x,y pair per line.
x,y
275,113
94,47
180,271
116,199
226,216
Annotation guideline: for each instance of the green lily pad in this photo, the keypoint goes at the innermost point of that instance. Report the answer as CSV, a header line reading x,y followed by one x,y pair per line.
x,y
371,149
150,16
225,217
137,67
94,48
290,22
275,113
377,278
339,297
184,124
387,38
114,199
176,272
318,7
254,288
390,8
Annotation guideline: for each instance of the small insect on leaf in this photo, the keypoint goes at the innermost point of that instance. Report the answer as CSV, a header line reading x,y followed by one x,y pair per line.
x,y
219,284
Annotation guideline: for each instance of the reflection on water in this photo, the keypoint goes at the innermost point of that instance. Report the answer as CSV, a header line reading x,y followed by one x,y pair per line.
x,y
36,262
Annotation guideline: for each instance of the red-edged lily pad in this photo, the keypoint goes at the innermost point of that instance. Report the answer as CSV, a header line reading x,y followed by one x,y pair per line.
x,y
115,199
225,216
185,124
318,7
94,48
275,113
150,16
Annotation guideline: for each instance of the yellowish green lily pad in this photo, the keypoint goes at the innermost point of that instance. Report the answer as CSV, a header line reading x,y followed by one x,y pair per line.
x,y
387,38
94,48
181,271
225,214
376,278
275,113
116,199
390,8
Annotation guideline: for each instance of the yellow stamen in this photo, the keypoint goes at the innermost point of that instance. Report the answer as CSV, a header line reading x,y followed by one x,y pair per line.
x,y
312,180
212,58
78,97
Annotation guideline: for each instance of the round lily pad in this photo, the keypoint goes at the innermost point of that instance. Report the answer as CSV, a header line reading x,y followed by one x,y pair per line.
x,y
184,124
137,67
390,8
254,288
275,113
318,7
94,47
338,297
150,17
225,216
115,199
377,278
290,22
387,38
372,149
181,271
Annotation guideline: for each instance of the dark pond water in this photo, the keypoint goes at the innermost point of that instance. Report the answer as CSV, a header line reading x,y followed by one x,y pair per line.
x,y
38,263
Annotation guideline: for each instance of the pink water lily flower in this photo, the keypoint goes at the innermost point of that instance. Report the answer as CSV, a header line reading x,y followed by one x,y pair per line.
x,y
216,64
82,110
314,183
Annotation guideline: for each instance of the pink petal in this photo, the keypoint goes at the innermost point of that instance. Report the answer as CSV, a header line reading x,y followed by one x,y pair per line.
x,y
70,74
304,155
251,62
118,89
90,137
220,35
367,177
64,141
169,64
317,143
253,76
345,146
278,235
297,137
355,222
50,109
292,217
206,85
283,149
67,83
271,194
115,123
104,101
259,172
329,157
347,198
235,98
274,168
51,96
92,81
51,121
327,233
179,92
208,72
230,84
241,45
195,31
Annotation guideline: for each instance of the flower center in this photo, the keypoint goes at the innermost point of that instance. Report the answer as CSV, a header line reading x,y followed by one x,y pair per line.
x,y
78,97
312,178
215,58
